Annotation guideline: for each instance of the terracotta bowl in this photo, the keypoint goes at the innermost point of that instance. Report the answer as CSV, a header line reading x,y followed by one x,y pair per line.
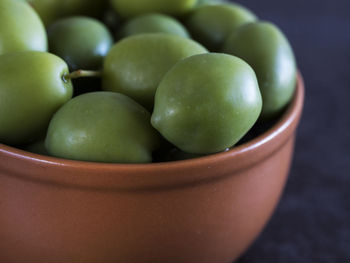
x,y
205,210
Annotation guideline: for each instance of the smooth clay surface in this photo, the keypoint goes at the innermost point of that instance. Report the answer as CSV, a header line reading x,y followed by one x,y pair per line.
x,y
205,210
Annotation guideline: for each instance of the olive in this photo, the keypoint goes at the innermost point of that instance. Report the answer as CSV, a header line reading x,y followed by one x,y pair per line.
x,y
51,10
153,23
32,88
20,28
209,2
206,103
102,127
135,65
212,24
131,8
82,42
269,53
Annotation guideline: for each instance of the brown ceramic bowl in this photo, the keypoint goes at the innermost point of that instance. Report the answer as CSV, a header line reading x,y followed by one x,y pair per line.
x,y
205,210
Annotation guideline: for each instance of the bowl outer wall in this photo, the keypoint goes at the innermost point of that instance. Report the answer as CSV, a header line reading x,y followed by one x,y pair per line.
x,y
30,166
208,218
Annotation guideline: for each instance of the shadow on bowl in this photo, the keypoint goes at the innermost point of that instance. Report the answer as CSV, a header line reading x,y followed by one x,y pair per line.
x,y
205,210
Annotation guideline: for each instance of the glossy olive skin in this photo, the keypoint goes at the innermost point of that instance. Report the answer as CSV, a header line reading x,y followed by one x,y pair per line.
x,y
135,65
102,127
212,24
153,23
265,48
210,109
31,90
131,8
20,28
51,10
82,42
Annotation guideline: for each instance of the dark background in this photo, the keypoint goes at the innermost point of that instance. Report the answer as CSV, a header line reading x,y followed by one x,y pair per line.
x,y
312,221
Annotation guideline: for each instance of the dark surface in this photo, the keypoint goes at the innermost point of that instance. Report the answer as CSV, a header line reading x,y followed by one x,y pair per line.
x,y
312,221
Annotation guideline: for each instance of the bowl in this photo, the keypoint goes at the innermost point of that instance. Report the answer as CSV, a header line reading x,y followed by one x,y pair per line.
x,y
205,210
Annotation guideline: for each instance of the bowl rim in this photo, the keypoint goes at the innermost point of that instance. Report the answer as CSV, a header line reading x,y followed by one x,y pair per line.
x,y
112,175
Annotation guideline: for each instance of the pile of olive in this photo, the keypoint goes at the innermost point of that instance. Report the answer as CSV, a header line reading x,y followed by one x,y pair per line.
x,y
176,77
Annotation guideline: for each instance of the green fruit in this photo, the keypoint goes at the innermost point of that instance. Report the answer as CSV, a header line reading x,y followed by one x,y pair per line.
x,y
209,2
207,103
20,28
51,10
130,8
102,127
154,23
82,42
136,65
269,53
212,24
31,90
48,10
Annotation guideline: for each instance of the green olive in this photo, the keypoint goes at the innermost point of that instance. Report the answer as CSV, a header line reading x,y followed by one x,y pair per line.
x,y
206,103
51,10
135,65
82,42
266,49
130,8
212,24
209,2
32,88
102,127
48,10
153,23
20,28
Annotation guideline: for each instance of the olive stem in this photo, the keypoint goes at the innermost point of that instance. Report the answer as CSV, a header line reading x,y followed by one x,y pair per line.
x,y
82,74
